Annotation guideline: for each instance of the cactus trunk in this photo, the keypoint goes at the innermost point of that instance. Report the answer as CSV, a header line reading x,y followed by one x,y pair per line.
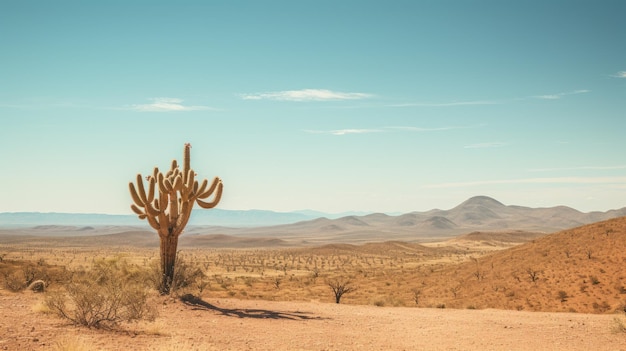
x,y
169,246
168,213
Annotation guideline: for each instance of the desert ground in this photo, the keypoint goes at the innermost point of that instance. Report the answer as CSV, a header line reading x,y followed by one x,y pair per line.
x,y
507,290
235,324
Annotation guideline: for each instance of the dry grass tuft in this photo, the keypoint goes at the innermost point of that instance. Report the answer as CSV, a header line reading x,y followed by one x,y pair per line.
x,y
71,344
619,325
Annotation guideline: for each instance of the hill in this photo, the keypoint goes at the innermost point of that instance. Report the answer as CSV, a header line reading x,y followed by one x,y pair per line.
x,y
480,213
580,269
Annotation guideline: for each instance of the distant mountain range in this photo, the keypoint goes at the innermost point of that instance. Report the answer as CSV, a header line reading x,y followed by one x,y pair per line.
x,y
217,217
478,213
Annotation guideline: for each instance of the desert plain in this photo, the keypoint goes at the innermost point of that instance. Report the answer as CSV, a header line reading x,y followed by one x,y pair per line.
x,y
481,290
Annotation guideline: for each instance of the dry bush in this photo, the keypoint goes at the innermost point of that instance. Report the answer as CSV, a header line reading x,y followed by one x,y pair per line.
x,y
20,279
14,281
186,275
340,286
111,292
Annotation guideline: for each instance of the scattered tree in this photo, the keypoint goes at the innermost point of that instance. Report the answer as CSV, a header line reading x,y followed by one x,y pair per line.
x,y
340,286
534,275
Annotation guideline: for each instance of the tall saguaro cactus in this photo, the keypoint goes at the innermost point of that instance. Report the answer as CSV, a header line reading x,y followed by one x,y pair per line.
x,y
167,206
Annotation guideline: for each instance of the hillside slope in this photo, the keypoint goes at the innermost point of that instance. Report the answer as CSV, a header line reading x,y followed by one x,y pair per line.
x,y
580,269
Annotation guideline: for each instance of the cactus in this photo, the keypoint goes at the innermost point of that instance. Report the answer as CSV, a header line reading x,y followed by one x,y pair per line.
x,y
167,206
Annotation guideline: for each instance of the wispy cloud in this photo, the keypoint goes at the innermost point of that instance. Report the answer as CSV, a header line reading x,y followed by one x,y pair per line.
x,y
168,105
446,104
383,130
556,180
560,95
306,95
344,131
579,168
484,145
421,129
620,74
491,102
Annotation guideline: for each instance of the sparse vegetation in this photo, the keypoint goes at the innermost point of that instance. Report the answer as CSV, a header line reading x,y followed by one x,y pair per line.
x,y
340,286
533,274
111,292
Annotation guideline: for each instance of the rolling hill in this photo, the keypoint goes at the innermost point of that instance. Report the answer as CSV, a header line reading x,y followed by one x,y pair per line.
x,y
579,269
480,213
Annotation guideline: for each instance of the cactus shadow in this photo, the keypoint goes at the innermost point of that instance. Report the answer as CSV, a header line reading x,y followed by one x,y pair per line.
x,y
198,304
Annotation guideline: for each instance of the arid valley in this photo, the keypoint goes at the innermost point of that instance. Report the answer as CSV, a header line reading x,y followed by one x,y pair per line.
x,y
476,277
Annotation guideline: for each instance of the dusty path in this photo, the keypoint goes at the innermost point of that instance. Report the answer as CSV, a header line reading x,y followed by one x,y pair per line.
x,y
230,324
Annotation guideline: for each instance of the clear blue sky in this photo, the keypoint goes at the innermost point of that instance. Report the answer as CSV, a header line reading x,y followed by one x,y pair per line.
x,y
384,106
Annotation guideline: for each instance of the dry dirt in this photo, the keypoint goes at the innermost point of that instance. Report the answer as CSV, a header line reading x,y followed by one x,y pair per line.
x,y
232,324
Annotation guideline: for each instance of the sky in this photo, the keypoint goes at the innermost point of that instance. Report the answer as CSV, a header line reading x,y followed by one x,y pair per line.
x,y
375,106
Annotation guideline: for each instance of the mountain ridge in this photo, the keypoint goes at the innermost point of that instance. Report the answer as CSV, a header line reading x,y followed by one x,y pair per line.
x,y
477,213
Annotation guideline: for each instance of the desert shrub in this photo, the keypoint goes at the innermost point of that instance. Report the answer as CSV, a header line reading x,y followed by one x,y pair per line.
x,y
104,296
186,275
14,281
19,279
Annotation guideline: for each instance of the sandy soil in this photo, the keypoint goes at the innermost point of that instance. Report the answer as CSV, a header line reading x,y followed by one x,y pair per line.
x,y
231,324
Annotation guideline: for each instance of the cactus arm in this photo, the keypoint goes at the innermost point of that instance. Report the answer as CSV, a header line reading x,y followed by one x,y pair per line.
x,y
173,213
209,192
202,188
186,214
151,187
163,223
141,189
134,195
178,183
169,187
137,210
187,158
152,220
215,201
190,180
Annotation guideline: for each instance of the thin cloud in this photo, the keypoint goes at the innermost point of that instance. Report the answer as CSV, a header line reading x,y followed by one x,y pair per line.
x,y
446,104
490,102
420,129
383,130
168,105
560,95
580,168
484,145
344,131
556,180
620,74
306,95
